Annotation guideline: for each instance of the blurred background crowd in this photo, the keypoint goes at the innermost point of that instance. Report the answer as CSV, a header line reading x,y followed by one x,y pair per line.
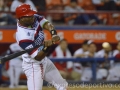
x,y
68,12
106,70
75,13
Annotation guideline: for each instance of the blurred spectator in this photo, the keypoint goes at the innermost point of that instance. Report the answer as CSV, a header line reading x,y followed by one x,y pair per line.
x,y
1,81
72,8
87,71
98,4
81,53
87,5
57,17
109,5
81,3
3,6
114,72
57,5
66,2
118,4
16,3
62,51
40,4
76,19
106,52
114,19
15,66
51,3
8,3
5,18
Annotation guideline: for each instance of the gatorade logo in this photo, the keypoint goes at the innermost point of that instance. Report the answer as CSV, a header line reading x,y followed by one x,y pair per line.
x,y
92,36
117,36
1,35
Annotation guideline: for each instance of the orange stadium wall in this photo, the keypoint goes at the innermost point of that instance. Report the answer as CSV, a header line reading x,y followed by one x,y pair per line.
x,y
74,35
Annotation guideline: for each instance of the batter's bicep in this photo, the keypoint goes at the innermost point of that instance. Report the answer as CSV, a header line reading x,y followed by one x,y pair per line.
x,y
42,20
36,53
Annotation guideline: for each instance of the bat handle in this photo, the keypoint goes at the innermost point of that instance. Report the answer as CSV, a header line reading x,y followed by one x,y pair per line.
x,y
1,61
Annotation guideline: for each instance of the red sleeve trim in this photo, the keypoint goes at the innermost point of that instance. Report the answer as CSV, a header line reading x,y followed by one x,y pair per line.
x,y
37,31
25,40
40,19
33,51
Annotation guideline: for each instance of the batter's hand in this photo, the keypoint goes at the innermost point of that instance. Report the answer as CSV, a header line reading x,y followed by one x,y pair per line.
x,y
48,43
55,38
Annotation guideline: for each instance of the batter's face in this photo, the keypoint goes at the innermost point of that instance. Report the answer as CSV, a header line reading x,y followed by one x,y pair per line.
x,y
27,20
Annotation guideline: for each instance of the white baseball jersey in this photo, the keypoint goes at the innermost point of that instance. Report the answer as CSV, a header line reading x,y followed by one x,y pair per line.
x,y
80,51
78,66
115,52
114,72
30,37
101,53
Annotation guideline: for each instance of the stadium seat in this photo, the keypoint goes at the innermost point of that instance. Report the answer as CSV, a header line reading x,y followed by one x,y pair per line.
x,y
50,3
86,4
66,2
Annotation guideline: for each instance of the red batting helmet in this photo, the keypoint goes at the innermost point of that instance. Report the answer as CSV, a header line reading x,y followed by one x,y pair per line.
x,y
24,10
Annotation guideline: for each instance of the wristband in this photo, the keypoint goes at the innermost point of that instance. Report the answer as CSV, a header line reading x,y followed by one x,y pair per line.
x,y
53,32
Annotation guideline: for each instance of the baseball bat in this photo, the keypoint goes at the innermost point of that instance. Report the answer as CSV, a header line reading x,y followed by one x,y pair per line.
x,y
14,55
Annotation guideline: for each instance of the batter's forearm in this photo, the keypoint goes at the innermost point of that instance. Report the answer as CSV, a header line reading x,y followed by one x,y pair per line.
x,y
40,56
48,26
42,53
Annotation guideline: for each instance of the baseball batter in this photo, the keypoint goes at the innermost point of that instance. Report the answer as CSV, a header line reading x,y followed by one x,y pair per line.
x,y
36,65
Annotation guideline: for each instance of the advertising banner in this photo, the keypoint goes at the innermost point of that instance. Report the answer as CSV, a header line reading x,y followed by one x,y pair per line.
x,y
72,36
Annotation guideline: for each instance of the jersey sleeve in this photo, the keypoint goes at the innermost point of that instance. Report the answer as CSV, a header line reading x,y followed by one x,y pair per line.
x,y
78,52
27,44
100,54
115,52
41,20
